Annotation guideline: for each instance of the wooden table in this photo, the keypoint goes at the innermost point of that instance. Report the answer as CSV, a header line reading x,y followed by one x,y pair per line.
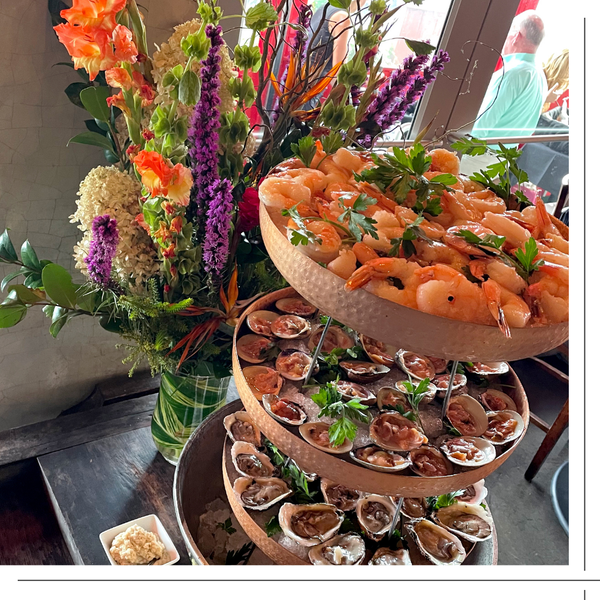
x,y
103,483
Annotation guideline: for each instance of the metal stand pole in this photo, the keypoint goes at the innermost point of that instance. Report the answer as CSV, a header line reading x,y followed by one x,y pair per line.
x,y
313,362
449,390
397,515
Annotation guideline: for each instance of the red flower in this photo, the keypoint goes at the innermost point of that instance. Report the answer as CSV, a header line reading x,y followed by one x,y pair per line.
x,y
169,252
248,208
132,150
176,224
147,135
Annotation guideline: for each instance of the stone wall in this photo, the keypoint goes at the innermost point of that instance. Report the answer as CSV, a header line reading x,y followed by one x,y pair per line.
x,y
39,178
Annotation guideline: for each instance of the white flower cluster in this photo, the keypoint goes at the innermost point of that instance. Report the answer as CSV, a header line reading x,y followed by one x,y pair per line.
x,y
108,191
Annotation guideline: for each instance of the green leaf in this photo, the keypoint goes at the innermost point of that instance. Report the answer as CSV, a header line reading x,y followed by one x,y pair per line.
x,y
112,325
27,295
7,250
94,101
343,4
9,278
33,280
59,285
332,142
444,178
272,527
92,139
60,317
471,146
340,431
73,91
260,16
527,257
11,314
29,257
189,88
305,149
418,47
92,125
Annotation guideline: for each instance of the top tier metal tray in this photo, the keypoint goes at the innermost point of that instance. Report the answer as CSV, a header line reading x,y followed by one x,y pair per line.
x,y
393,323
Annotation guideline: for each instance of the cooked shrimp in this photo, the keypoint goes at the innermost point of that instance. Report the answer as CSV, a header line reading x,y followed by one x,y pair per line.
x,y
351,161
470,186
457,204
548,294
551,255
344,265
364,253
436,252
556,242
538,216
334,190
502,225
386,224
406,215
383,268
507,308
486,201
458,242
499,272
384,289
282,192
383,202
445,161
327,234
447,293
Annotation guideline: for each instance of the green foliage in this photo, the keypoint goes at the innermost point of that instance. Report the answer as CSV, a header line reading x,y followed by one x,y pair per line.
x,y
94,101
301,235
445,499
247,57
358,224
354,73
527,258
59,286
209,13
332,142
227,526
412,231
242,89
196,45
343,4
260,16
418,47
305,149
189,88
241,556
487,241
272,527
337,117
329,400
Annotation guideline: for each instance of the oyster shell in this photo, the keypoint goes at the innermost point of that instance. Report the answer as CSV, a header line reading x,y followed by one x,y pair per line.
x,y
339,495
414,508
378,352
317,434
289,327
429,394
347,549
354,391
241,428
389,396
283,410
436,543
310,524
293,364
417,366
469,521
254,348
379,459
439,364
260,321
295,306
441,383
259,493
493,368
392,431
496,400
468,451
503,426
248,461
375,515
386,556
262,380
467,415
474,494
363,372
335,337
428,461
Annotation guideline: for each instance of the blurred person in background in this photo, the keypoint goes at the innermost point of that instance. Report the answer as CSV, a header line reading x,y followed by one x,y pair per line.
x,y
556,70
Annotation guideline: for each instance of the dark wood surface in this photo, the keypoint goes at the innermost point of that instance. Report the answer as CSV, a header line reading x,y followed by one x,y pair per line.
x,y
29,532
64,432
103,483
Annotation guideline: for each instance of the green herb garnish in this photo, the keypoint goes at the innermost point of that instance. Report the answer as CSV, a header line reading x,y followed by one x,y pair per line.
x,y
358,224
305,149
227,526
412,232
447,499
301,235
487,241
272,527
241,556
527,258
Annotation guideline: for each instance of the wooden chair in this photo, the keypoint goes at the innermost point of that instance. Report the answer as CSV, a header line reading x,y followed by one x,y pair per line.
x,y
554,431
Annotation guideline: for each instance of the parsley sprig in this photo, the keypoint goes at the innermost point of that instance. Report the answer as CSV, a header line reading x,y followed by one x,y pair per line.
x,y
415,394
527,258
358,224
412,232
487,241
497,175
272,526
330,401
404,171
305,149
437,502
301,235
291,472
227,526
241,556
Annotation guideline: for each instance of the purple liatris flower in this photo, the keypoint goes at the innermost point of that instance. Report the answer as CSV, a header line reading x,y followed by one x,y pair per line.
x,y
103,247
218,223
204,125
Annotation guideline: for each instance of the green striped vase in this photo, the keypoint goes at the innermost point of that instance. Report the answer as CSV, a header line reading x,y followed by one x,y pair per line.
x,y
183,403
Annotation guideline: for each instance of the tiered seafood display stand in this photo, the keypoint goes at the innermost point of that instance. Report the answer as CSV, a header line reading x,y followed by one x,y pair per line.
x,y
398,327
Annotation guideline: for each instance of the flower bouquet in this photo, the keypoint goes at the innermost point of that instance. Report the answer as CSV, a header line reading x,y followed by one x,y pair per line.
x,y
171,247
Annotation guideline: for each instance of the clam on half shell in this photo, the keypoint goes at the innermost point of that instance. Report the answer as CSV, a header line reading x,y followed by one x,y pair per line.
x,y
428,461
392,431
295,306
378,352
283,410
253,348
436,543
293,364
310,524
259,493
389,396
346,549
386,556
467,415
379,459
474,494
375,515
363,372
417,366
262,380
339,495
259,321
248,461
469,521
469,451
503,426
335,337
493,368
290,327
241,428
441,383
351,390
317,434
496,400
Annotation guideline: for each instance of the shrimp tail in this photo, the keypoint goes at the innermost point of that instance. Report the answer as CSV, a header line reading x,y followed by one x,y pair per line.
x,y
359,278
478,268
493,295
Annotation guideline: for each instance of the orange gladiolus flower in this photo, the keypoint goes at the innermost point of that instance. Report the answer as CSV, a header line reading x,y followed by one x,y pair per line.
x,y
169,252
118,101
162,233
176,224
161,179
119,77
96,14
125,48
90,49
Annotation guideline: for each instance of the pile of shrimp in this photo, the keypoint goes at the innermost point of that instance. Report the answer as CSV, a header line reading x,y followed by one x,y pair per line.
x,y
446,276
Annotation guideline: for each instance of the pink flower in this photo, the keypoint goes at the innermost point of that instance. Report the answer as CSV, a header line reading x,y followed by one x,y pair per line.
x,y
248,208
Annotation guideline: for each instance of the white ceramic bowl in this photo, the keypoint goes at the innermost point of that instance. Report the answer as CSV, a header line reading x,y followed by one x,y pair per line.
x,y
149,523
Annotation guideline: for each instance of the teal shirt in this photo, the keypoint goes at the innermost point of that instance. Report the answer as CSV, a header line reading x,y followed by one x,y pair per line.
x,y
520,96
